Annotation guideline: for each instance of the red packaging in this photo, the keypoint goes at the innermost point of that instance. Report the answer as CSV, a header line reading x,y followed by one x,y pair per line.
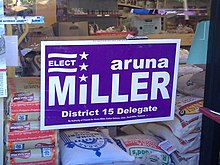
x,y
23,102
27,135
43,156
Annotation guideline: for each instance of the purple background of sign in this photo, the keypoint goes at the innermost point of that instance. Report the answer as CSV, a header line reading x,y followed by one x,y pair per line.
x,y
99,61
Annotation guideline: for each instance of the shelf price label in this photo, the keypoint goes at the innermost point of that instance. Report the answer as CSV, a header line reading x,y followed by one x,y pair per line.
x,y
21,20
104,83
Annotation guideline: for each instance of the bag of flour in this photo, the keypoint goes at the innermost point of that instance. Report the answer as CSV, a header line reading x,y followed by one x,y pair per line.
x,y
145,148
183,145
190,158
192,84
187,118
89,147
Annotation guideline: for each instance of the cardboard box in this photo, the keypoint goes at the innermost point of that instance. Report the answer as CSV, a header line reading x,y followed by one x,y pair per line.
x,y
147,26
71,28
41,31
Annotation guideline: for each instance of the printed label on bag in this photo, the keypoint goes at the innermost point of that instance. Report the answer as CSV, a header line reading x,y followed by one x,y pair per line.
x,y
167,147
46,152
19,146
22,118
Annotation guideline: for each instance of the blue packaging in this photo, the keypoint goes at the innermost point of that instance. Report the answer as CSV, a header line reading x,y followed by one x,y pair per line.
x,y
140,11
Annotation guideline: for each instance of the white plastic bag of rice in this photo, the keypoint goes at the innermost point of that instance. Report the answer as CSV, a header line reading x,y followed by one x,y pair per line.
x,y
89,147
145,149
183,56
130,130
190,158
190,84
185,69
187,118
183,145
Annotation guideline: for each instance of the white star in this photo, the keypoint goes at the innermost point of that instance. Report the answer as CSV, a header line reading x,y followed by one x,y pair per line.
x,y
83,78
83,55
83,67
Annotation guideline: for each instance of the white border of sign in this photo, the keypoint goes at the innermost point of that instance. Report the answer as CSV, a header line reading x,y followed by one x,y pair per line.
x,y
100,42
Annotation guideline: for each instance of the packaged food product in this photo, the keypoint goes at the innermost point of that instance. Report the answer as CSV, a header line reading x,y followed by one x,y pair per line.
x,y
185,69
24,116
23,98
27,135
40,156
145,148
89,147
183,56
192,84
191,158
182,145
187,118
130,130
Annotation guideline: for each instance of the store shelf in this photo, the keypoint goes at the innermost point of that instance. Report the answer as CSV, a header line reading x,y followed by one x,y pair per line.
x,y
112,33
143,17
104,14
21,20
186,39
129,5
94,15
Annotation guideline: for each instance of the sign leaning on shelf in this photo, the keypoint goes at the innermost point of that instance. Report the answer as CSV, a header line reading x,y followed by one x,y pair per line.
x,y
105,83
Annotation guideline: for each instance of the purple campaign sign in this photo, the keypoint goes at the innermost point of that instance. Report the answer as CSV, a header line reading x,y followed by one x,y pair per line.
x,y
104,83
